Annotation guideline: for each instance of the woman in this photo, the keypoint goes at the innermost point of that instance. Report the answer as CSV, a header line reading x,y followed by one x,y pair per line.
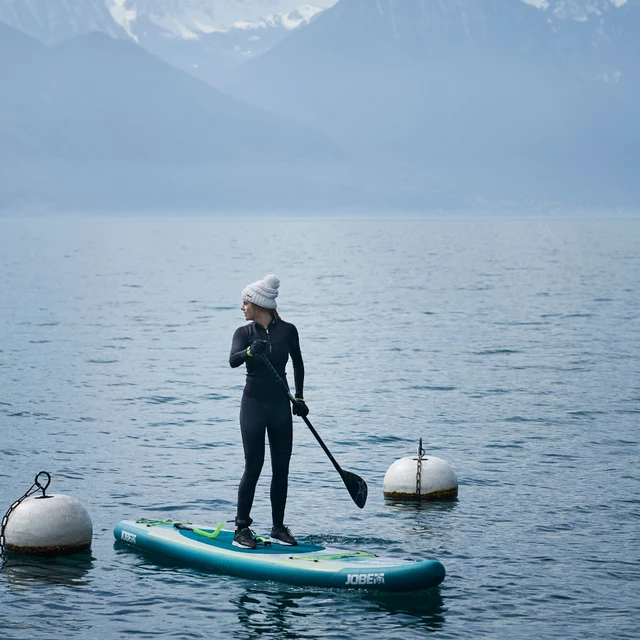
x,y
265,404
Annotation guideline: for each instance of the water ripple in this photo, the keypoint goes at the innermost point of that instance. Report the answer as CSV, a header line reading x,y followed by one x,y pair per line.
x,y
509,346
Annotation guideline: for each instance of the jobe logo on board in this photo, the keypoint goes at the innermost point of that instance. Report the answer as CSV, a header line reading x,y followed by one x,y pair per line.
x,y
128,537
361,579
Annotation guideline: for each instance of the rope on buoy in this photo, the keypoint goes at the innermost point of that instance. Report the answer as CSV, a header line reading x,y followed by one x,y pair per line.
x,y
32,489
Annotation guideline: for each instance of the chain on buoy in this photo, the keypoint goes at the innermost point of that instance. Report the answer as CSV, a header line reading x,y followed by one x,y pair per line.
x,y
419,470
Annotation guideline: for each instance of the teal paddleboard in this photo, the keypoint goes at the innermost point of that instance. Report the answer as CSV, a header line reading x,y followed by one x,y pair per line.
x,y
211,549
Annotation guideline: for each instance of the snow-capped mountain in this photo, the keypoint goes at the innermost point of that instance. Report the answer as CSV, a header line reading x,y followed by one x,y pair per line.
x,y
579,10
496,98
190,19
594,39
54,21
204,37
601,36
209,38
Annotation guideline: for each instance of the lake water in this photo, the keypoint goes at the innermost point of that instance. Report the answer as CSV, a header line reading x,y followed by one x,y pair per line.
x,y
512,347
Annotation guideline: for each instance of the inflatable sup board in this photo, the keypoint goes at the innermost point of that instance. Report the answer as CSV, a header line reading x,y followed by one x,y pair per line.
x,y
211,549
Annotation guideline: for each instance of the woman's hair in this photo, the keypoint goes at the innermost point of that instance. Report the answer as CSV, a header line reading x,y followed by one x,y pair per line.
x,y
272,312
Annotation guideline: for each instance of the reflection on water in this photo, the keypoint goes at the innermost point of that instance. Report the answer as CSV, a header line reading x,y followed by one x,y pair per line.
x,y
428,523
32,571
427,608
404,506
281,613
271,610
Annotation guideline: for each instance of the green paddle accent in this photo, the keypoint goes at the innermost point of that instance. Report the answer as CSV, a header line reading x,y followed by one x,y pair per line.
x,y
199,532
335,556
185,526
155,523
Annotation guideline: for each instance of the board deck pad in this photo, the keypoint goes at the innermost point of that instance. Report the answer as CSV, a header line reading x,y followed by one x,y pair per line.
x,y
224,540
304,564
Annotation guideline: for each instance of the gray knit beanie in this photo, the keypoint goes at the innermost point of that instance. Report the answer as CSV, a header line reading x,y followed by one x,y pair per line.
x,y
263,292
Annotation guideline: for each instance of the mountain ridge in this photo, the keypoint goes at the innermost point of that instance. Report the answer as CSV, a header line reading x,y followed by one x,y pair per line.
x,y
383,104
489,96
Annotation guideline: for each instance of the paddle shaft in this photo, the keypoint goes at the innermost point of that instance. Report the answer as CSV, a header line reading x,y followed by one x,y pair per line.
x,y
306,420
347,477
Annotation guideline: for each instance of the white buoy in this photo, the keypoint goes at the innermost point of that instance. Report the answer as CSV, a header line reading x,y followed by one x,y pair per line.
x,y
50,525
419,478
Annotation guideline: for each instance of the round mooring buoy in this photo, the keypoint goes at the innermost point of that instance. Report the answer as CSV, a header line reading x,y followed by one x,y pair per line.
x,y
52,525
420,478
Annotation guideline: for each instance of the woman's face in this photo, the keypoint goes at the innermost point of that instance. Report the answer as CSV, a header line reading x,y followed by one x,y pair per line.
x,y
249,310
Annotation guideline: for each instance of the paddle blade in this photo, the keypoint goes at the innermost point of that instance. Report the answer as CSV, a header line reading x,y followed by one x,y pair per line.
x,y
356,486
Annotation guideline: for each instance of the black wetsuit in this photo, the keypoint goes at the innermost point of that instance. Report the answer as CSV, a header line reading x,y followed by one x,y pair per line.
x,y
265,408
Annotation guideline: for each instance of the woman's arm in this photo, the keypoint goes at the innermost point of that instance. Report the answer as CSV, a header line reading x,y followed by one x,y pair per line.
x,y
298,364
239,346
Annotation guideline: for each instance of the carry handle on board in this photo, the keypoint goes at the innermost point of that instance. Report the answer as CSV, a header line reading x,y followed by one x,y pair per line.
x,y
356,486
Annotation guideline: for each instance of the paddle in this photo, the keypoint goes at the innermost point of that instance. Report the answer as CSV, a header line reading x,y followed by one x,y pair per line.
x,y
356,486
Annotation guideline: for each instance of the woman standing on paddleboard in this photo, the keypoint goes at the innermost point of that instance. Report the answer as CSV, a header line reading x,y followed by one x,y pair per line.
x,y
265,407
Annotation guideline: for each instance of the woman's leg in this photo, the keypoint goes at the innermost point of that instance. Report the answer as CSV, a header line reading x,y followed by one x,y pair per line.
x,y
253,423
280,430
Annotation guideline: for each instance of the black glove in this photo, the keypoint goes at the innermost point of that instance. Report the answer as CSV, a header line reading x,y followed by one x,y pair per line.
x,y
257,347
300,408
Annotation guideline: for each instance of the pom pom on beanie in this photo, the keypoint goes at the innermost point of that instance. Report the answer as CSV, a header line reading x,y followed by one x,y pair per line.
x,y
262,292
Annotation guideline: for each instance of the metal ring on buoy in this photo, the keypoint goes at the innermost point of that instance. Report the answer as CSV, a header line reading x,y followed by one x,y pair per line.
x,y
37,482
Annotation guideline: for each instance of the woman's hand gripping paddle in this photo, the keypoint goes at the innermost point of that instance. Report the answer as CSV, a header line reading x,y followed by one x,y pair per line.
x,y
356,486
